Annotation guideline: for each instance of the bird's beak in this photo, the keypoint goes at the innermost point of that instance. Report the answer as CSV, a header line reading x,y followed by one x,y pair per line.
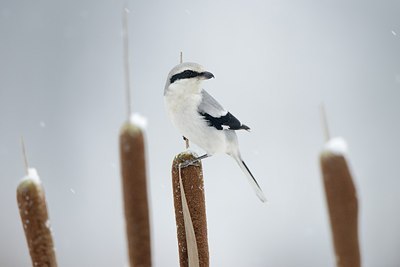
x,y
207,75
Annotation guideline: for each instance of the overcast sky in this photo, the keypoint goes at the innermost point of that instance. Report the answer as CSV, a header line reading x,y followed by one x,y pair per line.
x,y
275,62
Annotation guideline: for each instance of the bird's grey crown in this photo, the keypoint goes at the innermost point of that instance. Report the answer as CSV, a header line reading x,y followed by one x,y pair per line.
x,y
186,66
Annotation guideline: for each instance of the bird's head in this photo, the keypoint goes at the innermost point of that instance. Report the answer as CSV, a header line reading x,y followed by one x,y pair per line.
x,y
186,75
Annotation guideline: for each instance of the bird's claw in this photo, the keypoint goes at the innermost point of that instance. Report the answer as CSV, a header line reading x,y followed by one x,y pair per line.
x,y
189,163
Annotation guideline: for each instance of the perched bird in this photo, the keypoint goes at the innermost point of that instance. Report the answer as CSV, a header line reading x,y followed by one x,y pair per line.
x,y
201,119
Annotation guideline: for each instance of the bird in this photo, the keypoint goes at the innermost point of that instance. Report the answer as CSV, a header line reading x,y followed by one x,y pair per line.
x,y
201,119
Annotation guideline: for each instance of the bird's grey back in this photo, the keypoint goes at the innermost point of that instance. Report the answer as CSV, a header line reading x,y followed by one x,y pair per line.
x,y
210,106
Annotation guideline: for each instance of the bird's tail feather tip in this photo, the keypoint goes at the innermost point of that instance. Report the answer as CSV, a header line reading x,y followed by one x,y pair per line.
x,y
252,180
262,197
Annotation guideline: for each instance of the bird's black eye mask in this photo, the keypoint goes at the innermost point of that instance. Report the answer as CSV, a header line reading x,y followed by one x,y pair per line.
x,y
185,75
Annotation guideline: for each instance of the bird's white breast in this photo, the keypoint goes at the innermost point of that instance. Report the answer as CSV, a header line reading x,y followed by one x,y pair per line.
x,y
182,104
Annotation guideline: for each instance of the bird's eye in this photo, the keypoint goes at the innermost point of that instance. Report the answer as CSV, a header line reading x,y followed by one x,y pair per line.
x,y
187,74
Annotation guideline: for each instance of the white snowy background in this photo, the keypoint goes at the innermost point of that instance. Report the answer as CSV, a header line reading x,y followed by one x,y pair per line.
x,y
275,62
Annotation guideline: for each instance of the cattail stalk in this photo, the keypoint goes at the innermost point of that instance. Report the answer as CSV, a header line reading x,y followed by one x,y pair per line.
x,y
190,212
35,220
342,203
133,167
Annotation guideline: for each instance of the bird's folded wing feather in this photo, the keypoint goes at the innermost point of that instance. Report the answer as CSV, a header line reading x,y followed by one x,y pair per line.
x,y
216,116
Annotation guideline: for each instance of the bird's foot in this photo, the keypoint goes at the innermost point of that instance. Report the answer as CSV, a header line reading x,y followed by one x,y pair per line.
x,y
189,163
193,162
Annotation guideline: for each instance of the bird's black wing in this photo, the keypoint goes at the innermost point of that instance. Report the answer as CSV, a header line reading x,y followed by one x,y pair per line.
x,y
226,122
216,116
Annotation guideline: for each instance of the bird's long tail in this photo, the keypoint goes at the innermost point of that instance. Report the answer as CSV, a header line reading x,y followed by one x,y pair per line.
x,y
251,178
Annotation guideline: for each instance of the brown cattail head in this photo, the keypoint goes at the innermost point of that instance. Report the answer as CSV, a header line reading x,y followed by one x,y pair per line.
x,y
193,188
342,203
33,210
133,167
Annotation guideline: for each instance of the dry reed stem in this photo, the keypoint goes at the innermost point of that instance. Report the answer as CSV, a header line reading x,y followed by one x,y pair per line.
x,y
193,196
343,208
192,250
33,210
125,39
133,167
